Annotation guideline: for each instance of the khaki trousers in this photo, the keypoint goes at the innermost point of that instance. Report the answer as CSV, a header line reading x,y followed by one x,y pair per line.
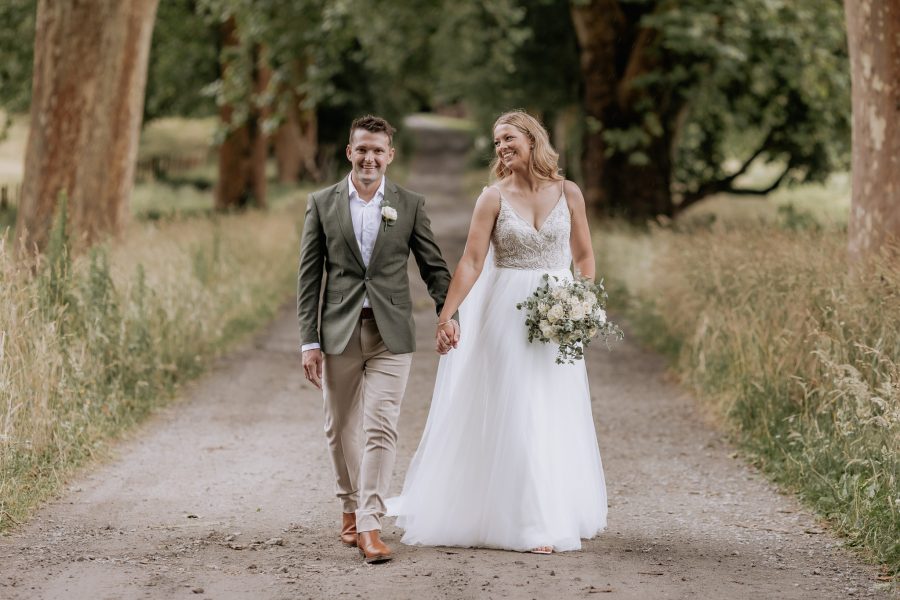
x,y
363,390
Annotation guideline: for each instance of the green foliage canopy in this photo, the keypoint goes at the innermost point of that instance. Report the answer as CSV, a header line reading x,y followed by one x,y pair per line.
x,y
184,59
16,53
502,54
752,80
759,79
342,56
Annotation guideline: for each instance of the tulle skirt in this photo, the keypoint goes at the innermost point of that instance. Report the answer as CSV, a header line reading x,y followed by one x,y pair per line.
x,y
509,455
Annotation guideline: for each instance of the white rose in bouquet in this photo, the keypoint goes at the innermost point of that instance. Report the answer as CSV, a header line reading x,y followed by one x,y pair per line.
x,y
555,313
568,313
546,329
577,312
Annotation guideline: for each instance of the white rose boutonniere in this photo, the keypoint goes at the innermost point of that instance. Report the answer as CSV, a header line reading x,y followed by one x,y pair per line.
x,y
388,215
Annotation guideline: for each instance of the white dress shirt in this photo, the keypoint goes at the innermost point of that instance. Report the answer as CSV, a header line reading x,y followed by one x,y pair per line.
x,y
366,218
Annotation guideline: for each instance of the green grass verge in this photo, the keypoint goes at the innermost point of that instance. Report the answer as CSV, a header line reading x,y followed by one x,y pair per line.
x,y
800,360
90,345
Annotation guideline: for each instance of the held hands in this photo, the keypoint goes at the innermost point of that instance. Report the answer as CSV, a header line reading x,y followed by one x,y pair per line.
x,y
312,366
447,336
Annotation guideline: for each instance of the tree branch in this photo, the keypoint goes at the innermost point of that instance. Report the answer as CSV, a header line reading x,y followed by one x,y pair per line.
x,y
764,191
726,183
724,186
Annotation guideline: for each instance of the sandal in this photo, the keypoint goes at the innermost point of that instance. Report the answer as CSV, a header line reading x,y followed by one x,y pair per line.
x,y
542,550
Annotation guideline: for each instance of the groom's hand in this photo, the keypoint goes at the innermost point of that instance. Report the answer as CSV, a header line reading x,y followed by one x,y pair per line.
x,y
312,366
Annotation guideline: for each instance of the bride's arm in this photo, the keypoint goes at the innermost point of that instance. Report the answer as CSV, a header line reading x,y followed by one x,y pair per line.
x,y
477,244
580,240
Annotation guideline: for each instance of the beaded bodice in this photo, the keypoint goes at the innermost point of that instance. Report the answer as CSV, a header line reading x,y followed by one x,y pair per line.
x,y
518,245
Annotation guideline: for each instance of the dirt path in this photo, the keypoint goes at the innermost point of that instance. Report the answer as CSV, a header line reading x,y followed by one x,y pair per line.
x,y
227,493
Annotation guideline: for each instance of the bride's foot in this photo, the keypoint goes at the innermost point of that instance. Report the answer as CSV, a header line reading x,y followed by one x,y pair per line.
x,y
542,550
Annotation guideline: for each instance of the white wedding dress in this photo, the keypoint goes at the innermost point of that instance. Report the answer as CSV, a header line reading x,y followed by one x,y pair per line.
x,y
509,455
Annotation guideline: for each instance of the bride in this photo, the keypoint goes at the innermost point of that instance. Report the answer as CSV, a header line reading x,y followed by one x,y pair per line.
x,y
509,456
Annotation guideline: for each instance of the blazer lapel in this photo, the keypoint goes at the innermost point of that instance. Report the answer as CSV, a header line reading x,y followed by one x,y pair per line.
x,y
392,199
342,197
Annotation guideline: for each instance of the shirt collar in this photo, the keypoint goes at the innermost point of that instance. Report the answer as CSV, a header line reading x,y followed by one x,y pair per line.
x,y
379,195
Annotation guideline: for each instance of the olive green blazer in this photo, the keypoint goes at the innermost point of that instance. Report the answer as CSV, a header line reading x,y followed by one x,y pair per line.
x,y
329,245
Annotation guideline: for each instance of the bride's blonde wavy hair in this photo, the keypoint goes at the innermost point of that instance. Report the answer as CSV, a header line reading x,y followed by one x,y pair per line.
x,y
544,160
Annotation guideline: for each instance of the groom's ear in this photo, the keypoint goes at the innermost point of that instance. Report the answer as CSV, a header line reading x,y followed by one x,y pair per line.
x,y
390,157
349,153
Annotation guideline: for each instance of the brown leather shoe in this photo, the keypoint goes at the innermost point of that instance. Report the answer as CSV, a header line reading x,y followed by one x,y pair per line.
x,y
348,529
372,548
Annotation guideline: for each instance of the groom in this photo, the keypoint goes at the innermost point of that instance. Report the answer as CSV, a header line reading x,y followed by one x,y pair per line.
x,y
358,336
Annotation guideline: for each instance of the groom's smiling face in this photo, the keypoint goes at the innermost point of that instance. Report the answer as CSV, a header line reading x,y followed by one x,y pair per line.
x,y
370,153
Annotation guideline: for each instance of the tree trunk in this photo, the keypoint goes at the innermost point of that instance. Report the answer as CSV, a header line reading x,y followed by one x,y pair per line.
x,y
596,27
614,51
873,28
296,143
641,191
242,156
90,72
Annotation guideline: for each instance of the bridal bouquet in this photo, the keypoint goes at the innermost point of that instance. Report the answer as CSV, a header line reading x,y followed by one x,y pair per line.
x,y
568,313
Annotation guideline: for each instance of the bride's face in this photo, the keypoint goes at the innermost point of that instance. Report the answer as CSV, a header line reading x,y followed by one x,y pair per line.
x,y
513,147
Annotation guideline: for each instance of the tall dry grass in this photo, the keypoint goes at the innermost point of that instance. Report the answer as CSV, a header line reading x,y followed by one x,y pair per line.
x,y
88,346
801,359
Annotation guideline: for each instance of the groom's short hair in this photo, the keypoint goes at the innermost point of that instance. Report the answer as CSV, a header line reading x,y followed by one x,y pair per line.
x,y
375,125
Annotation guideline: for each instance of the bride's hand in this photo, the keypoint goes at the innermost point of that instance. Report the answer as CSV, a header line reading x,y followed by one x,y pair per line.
x,y
447,336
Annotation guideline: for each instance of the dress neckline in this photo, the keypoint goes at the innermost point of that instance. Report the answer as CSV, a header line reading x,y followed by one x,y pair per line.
x,y
503,200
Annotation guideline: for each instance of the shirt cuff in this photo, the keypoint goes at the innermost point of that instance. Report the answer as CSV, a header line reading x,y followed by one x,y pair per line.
x,y
312,346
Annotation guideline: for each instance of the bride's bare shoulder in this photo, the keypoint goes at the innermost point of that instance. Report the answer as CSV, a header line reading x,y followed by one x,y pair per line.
x,y
489,200
572,190
574,197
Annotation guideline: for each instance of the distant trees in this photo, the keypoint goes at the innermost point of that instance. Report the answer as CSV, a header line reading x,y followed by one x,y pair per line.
x,y
296,140
16,53
653,104
873,28
90,69
681,99
184,61
245,142
671,101
323,63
